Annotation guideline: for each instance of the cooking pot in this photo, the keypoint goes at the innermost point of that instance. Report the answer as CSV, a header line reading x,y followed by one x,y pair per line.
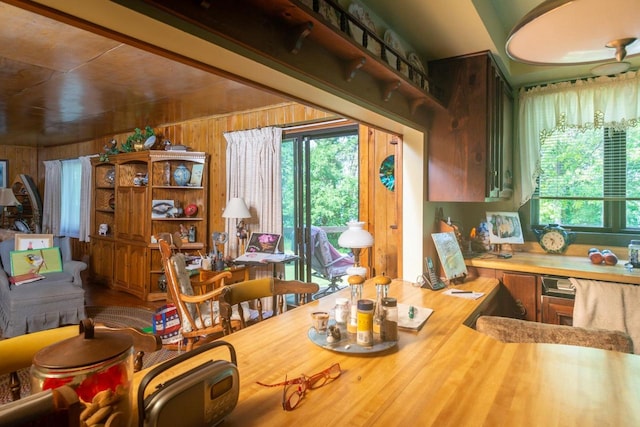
x,y
98,366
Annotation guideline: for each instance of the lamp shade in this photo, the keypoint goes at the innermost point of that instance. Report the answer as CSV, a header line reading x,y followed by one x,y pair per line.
x,y
576,32
7,198
236,208
355,236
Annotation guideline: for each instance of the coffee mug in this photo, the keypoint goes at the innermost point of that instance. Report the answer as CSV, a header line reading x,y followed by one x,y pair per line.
x,y
320,320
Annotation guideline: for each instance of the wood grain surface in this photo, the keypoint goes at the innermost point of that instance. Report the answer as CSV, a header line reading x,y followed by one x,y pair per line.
x,y
445,374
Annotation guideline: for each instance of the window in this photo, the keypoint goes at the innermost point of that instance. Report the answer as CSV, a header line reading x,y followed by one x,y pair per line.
x,y
70,198
590,180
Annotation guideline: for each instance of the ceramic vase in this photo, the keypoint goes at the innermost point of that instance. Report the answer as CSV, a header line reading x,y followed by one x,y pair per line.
x,y
181,175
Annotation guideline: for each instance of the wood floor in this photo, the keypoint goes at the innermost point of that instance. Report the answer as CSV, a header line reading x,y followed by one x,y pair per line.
x,y
99,295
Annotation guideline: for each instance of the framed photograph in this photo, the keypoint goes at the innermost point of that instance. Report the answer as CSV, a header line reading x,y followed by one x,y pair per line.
x,y
263,242
162,208
46,260
196,175
4,170
33,241
504,228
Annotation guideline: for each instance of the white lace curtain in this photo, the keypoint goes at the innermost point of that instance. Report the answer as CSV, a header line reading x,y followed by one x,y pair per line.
x,y
253,174
51,202
584,104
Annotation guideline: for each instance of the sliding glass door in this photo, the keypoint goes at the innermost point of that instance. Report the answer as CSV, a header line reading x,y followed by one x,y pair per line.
x,y
319,191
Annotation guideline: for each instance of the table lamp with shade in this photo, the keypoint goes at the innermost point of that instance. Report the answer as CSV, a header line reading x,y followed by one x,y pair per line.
x,y
356,238
237,208
7,198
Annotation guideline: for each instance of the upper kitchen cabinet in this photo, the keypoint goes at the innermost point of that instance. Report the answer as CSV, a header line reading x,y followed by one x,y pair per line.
x,y
470,144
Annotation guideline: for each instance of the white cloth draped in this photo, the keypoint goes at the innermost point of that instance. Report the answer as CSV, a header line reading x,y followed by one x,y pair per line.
x,y
608,305
584,104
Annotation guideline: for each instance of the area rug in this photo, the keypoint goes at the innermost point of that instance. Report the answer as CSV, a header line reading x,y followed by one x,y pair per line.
x,y
111,316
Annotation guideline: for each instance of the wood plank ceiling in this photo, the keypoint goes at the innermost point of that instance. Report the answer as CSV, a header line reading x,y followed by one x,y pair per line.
x,y
60,84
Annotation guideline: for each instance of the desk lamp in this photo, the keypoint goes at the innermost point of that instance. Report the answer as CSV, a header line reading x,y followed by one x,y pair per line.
x,y
237,208
7,198
356,238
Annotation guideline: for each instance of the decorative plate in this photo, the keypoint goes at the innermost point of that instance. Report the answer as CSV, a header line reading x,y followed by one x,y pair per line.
x,y
392,40
417,63
344,346
22,226
110,176
330,14
150,142
361,15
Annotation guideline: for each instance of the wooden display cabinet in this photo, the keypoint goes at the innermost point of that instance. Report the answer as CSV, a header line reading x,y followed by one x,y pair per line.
x,y
124,189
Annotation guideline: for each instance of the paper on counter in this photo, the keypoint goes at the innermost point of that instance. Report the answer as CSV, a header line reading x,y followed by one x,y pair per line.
x,y
470,295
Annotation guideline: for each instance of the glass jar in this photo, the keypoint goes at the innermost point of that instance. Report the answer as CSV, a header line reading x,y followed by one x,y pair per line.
x,y
97,366
356,283
634,252
342,310
389,326
364,336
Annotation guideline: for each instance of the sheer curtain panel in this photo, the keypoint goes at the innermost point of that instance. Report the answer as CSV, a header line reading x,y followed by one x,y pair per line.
x,y
599,102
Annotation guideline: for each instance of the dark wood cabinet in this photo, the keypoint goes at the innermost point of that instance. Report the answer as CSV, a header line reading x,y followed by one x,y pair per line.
x,y
525,289
557,310
470,144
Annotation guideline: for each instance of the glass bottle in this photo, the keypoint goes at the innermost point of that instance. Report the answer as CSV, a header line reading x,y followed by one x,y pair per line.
x,y
389,327
382,291
356,283
634,251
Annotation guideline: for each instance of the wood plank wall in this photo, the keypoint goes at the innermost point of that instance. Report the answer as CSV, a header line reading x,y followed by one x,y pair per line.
x,y
205,134
379,207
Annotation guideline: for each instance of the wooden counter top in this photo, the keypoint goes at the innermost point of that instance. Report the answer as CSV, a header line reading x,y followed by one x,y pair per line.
x,y
559,265
445,374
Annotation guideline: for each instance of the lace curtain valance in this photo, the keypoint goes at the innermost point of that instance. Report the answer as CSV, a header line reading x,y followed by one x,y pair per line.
x,y
583,104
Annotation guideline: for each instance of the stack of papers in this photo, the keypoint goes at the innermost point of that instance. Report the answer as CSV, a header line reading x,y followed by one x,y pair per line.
x,y
463,294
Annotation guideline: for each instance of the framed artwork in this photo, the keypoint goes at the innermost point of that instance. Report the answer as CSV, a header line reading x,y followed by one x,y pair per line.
x,y
504,228
161,208
46,260
196,175
450,255
263,242
4,170
33,241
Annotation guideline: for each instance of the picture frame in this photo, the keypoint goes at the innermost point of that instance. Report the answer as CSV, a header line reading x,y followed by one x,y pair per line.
x,y
4,171
450,255
196,175
504,228
45,260
162,208
33,241
263,242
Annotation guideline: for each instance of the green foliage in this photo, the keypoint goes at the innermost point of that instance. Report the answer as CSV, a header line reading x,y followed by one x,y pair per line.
x,y
333,167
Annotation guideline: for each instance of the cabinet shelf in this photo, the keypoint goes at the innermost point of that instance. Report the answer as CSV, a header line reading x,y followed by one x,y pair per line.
x,y
125,260
301,38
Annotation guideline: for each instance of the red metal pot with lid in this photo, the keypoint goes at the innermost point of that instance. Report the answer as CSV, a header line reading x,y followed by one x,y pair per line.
x,y
98,366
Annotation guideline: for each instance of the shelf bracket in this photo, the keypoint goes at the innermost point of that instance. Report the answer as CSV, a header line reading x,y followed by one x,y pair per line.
x,y
301,32
416,103
354,66
390,88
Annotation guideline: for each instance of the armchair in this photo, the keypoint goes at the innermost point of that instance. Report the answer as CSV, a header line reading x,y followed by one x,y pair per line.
x,y
56,300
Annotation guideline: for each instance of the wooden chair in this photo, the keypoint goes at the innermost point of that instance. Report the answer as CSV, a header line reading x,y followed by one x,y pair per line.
x,y
239,294
523,331
197,302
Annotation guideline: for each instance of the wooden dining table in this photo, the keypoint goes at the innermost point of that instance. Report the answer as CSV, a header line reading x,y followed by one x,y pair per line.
x,y
444,374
